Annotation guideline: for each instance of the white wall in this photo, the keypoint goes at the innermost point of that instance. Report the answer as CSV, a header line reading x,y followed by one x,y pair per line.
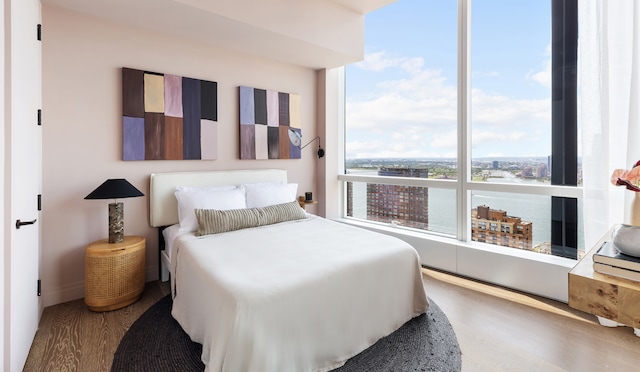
x,y
82,109
330,115
6,242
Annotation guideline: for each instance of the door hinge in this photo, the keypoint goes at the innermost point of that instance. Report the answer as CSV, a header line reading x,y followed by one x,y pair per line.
x,y
39,32
39,202
39,116
39,287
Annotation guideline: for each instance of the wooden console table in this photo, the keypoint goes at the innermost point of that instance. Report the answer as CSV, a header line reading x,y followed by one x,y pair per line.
x,y
615,301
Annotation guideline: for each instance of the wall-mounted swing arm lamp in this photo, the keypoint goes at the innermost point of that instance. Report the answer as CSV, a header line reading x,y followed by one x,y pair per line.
x,y
296,140
320,149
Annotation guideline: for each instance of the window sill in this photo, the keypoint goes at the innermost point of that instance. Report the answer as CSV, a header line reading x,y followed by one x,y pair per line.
x,y
531,272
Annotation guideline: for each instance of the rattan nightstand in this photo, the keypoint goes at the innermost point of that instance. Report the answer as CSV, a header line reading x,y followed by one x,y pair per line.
x,y
114,273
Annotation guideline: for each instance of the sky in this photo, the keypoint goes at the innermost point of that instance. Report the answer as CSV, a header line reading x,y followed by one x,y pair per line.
x,y
402,98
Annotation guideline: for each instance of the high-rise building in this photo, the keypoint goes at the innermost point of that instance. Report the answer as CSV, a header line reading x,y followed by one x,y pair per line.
x,y
350,199
541,171
496,227
400,205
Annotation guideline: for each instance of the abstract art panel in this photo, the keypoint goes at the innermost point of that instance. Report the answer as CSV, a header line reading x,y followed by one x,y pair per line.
x,y
168,117
270,124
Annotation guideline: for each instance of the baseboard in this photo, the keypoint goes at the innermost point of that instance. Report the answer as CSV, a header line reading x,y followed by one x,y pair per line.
x,y
74,291
66,293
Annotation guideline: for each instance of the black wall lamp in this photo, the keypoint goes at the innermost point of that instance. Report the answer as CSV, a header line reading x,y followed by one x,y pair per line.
x,y
296,140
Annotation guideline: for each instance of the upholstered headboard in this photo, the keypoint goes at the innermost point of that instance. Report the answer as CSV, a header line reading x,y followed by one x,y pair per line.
x,y
163,207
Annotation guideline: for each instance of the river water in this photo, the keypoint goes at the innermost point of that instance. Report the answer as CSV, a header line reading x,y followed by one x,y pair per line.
x,y
442,207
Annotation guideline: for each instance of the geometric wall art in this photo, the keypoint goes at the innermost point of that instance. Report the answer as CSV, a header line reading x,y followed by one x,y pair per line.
x,y
168,117
270,123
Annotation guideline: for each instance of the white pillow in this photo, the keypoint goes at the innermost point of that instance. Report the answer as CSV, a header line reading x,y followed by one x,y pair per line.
x,y
206,188
265,194
221,199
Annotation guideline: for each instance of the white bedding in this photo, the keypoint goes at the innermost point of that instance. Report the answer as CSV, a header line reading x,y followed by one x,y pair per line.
x,y
303,295
170,234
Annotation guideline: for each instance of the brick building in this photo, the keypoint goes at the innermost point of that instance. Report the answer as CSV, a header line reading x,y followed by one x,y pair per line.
x,y
401,205
496,227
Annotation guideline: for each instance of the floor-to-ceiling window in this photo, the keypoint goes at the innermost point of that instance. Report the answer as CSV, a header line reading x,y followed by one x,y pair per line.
x,y
401,118
461,122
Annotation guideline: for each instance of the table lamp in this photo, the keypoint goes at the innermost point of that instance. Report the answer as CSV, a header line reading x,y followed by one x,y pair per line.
x,y
115,188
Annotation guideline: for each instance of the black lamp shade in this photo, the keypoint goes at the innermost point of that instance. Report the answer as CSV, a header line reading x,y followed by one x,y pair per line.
x,y
114,188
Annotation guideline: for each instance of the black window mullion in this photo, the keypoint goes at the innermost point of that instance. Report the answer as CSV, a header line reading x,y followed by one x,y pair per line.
x,y
564,125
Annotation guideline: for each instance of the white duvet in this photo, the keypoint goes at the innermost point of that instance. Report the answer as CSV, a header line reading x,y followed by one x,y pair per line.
x,y
297,296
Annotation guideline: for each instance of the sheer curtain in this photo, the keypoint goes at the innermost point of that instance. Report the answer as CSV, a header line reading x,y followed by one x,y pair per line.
x,y
609,108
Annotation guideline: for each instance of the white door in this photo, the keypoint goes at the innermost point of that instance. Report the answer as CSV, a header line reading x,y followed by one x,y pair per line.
x,y
23,99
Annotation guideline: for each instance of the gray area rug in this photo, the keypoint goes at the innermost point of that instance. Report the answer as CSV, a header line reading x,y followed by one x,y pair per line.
x,y
156,342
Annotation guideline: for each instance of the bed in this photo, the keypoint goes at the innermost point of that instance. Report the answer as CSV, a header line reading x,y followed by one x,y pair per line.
x,y
297,294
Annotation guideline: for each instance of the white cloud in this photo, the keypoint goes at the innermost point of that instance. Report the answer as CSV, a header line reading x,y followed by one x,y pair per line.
x,y
543,77
497,110
422,100
481,137
378,61
445,140
416,116
412,65
378,149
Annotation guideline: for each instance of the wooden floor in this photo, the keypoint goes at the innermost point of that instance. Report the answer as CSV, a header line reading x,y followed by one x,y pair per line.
x,y
498,330
73,338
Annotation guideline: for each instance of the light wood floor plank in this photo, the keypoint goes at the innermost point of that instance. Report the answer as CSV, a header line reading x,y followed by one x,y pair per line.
x,y
504,330
498,330
73,338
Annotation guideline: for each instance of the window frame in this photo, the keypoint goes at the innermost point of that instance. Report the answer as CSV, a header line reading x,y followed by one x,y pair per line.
x,y
464,186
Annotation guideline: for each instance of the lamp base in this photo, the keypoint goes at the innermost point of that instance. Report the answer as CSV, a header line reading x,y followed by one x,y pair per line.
x,y
116,223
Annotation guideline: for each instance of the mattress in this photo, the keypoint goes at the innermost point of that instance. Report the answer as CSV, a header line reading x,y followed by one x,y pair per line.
x,y
302,295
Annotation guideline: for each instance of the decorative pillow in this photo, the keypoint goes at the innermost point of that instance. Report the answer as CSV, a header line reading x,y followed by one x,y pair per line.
x,y
265,194
189,201
212,221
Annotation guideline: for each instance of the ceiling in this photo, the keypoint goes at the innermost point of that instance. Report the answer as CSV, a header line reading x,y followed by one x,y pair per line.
x,y
310,33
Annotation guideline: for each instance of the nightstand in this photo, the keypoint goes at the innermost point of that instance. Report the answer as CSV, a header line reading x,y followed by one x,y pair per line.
x,y
303,202
114,273
615,301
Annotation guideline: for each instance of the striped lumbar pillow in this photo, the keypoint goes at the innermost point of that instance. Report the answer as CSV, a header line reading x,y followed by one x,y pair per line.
x,y
213,221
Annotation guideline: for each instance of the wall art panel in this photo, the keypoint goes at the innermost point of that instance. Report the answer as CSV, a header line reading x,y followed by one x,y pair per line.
x,y
168,117
173,134
153,136
270,123
208,135
261,142
133,138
